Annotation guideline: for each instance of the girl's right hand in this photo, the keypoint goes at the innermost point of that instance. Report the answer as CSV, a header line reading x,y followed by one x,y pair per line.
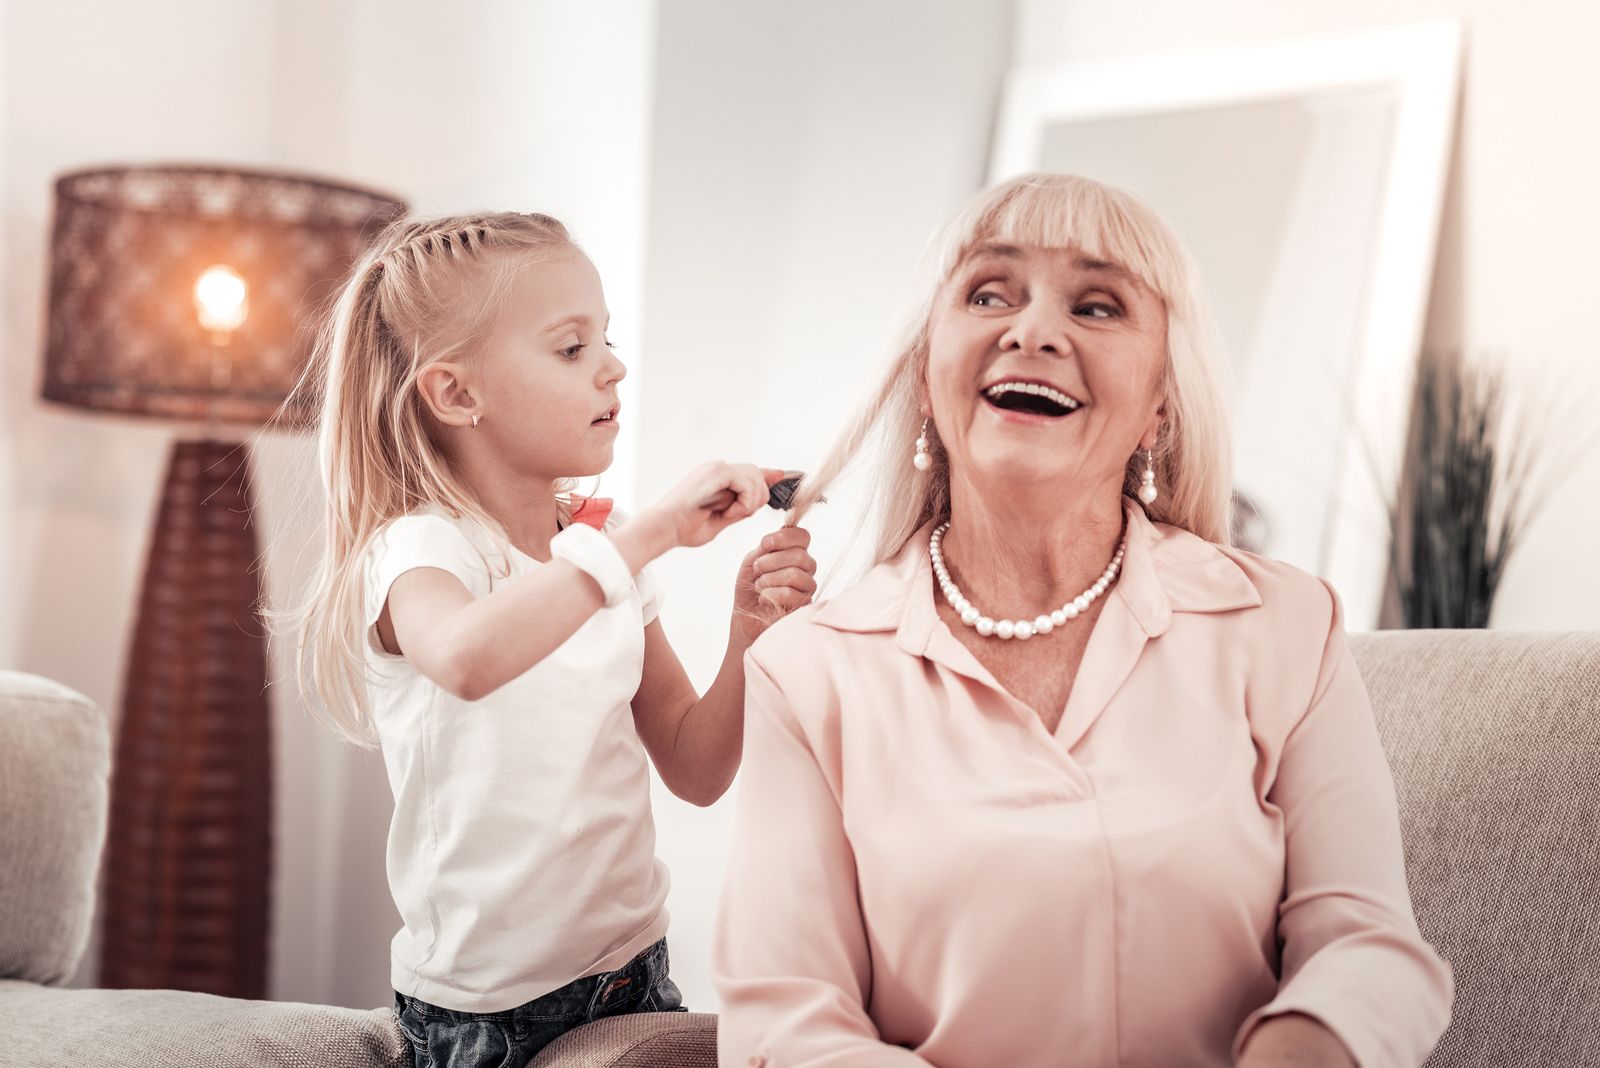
x,y
710,499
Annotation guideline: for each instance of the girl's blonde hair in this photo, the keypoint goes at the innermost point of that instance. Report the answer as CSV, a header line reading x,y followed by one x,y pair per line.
x,y
1193,458
424,292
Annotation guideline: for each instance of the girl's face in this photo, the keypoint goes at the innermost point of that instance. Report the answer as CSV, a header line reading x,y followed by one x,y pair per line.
x,y
1044,370
547,378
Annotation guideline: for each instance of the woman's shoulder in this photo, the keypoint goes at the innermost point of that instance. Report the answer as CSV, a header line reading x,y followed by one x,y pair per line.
x,y
1285,592
1284,588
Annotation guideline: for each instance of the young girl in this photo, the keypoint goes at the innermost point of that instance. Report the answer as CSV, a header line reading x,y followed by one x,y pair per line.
x,y
499,640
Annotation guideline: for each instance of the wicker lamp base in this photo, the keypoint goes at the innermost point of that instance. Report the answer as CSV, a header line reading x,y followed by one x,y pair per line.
x,y
189,843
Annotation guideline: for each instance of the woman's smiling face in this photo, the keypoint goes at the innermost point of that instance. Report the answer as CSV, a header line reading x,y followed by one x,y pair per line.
x,y
1044,368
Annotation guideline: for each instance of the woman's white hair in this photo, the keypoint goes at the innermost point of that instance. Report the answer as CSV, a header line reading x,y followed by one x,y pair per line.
x,y
1192,456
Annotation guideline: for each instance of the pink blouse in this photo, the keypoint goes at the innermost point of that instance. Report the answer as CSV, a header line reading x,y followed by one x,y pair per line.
x,y
922,874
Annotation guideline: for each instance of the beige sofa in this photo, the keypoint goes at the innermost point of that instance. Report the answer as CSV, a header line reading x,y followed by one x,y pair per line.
x,y
1494,738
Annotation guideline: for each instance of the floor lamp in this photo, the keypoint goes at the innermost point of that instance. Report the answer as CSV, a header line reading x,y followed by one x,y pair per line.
x,y
192,294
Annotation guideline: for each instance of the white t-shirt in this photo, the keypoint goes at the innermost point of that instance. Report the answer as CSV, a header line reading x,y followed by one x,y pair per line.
x,y
522,852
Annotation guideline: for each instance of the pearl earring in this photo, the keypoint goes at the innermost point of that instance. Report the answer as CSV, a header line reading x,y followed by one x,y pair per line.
x,y
1147,481
921,460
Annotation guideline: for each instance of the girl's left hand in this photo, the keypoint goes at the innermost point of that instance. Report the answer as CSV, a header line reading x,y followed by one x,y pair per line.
x,y
774,580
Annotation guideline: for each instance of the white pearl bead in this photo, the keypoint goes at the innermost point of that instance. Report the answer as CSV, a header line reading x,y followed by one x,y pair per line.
x,y
1005,628
1023,631
922,461
1043,625
969,615
1081,603
1059,617
985,626
1070,611
1147,493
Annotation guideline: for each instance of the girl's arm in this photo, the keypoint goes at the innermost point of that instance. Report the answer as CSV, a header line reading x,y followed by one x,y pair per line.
x,y
459,641
472,646
695,742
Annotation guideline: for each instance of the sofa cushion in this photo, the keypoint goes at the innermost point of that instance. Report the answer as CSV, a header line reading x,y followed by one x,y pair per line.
x,y
54,769
1494,740
48,1027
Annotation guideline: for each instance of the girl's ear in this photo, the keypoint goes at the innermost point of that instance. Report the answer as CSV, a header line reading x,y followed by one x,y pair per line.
x,y
446,394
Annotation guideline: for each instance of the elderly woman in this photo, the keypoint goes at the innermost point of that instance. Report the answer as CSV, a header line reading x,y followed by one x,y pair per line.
x,y
1065,779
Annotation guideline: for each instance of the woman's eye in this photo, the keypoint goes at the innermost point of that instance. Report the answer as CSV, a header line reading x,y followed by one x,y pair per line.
x,y
1110,310
988,299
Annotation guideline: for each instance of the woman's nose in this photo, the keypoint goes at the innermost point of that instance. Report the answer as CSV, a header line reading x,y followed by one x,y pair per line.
x,y
1040,328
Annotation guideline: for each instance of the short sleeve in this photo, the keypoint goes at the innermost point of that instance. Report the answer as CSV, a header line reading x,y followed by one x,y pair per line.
x,y
414,541
650,595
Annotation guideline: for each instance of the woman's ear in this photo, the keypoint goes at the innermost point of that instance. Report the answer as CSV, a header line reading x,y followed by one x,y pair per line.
x,y
1152,432
447,395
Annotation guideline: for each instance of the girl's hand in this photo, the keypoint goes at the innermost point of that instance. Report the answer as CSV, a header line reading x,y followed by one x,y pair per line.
x,y
774,580
710,499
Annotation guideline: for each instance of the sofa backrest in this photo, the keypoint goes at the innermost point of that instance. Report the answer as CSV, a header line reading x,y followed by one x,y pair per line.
x,y
55,763
1494,740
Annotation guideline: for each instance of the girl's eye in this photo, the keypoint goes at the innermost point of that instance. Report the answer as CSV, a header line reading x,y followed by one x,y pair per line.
x,y
571,352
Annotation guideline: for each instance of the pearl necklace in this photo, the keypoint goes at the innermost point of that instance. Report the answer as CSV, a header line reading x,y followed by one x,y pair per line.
x,y
1018,628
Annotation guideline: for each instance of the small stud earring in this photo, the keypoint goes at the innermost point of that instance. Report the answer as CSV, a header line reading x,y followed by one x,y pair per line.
x,y
1147,481
921,460
474,420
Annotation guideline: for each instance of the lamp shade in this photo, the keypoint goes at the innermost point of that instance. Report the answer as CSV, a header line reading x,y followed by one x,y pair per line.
x,y
194,292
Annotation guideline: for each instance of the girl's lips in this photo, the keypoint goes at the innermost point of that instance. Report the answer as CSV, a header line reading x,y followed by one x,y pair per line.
x,y
1028,418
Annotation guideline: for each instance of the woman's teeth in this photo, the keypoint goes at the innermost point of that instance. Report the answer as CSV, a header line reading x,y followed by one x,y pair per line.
x,y
1030,397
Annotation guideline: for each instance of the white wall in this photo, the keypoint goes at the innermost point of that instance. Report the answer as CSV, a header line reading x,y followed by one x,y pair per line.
x,y
1515,275
803,155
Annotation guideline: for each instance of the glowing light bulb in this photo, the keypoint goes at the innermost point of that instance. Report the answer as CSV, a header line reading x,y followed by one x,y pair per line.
x,y
221,299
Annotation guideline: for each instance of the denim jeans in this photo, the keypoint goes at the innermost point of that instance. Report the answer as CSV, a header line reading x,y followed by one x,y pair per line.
x,y
444,1038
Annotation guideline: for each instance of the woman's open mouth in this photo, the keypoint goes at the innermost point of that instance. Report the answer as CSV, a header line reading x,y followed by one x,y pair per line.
x,y
1030,402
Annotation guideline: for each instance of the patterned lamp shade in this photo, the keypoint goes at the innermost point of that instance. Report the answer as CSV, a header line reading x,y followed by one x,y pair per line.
x,y
193,293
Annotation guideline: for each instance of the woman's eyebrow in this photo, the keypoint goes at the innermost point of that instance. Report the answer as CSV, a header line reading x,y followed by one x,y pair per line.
x,y
1115,270
1086,263
1009,252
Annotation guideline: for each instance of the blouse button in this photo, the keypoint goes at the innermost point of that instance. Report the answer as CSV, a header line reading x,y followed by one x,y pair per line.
x,y
757,1062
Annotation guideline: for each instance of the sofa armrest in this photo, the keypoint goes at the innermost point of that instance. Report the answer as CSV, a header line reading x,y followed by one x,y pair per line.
x,y
55,766
637,1040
